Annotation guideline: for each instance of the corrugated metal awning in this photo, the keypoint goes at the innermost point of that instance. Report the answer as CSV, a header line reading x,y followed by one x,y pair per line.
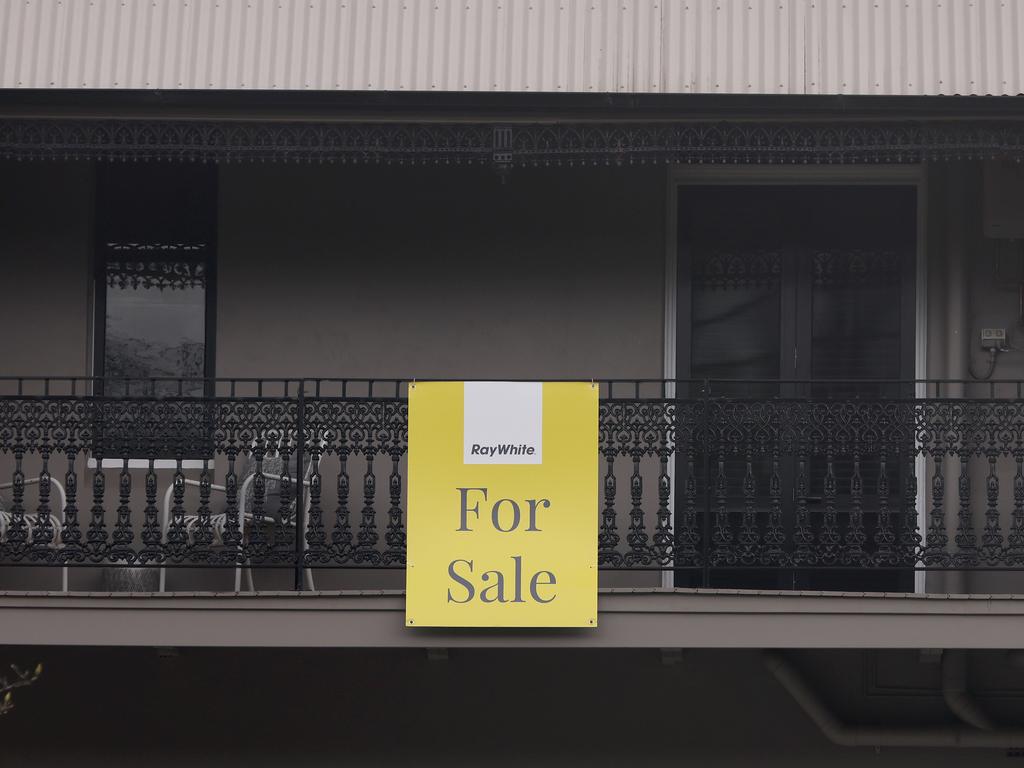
x,y
877,47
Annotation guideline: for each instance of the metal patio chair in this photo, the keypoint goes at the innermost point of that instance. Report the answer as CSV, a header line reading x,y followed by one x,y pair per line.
x,y
56,520
273,473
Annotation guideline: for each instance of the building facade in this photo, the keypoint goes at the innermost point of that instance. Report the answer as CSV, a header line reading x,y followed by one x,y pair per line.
x,y
783,239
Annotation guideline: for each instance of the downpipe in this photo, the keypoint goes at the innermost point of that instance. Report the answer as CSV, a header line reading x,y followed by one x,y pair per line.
x,y
845,735
954,690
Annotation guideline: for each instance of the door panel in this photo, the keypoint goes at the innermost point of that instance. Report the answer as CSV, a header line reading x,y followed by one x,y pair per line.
x,y
781,284
736,305
855,315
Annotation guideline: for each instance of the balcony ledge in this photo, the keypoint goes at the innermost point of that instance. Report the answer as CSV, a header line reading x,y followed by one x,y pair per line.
x,y
628,618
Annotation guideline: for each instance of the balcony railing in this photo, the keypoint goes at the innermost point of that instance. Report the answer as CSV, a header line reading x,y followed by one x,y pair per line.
x,y
829,484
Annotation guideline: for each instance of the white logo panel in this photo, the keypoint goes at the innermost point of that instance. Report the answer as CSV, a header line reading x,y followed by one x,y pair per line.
x,y
503,422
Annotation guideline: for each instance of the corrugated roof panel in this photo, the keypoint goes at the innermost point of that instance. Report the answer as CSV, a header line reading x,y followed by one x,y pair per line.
x,y
616,46
913,47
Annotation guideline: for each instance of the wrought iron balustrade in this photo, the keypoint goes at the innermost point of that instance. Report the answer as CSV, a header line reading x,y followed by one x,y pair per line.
x,y
718,482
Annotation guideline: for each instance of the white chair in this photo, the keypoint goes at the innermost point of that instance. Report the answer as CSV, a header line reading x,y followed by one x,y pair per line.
x,y
56,521
218,520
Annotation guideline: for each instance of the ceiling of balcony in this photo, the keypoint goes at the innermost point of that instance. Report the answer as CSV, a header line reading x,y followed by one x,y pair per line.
x,y
878,47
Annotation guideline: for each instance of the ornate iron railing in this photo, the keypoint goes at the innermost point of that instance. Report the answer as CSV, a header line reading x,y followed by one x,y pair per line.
x,y
718,482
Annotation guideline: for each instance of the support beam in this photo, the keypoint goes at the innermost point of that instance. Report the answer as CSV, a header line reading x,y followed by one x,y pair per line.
x,y
627,618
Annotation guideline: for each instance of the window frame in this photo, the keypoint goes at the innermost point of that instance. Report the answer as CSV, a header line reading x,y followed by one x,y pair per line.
x,y
677,359
100,289
102,256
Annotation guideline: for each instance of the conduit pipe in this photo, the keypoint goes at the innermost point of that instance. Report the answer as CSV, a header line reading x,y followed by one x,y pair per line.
x,y
870,736
954,690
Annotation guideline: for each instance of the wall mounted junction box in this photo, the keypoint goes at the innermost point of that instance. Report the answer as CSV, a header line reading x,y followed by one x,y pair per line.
x,y
993,338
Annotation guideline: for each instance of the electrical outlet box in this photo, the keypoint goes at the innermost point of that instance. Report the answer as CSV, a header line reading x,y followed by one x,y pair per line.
x,y
993,338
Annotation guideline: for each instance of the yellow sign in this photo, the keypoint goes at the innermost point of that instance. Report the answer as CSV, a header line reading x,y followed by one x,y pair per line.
x,y
503,484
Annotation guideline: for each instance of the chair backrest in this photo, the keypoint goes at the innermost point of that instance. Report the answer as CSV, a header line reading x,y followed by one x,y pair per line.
x,y
273,466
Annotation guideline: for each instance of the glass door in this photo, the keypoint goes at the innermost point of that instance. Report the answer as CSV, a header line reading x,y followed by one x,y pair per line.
x,y
797,294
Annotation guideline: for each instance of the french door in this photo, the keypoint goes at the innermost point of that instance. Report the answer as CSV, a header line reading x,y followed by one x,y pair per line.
x,y
805,292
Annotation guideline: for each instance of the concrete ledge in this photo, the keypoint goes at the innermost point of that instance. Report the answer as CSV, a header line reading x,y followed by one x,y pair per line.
x,y
628,618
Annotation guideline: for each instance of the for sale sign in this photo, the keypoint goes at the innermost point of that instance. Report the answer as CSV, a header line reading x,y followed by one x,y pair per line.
x,y
503,484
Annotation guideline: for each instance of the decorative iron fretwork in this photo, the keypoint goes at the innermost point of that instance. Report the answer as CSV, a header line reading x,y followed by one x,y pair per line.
x,y
854,267
156,265
699,483
728,269
520,144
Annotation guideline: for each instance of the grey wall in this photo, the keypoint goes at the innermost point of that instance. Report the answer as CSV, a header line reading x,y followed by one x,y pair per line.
x,y
440,272
996,275
373,271
973,283
46,214
45,224
987,282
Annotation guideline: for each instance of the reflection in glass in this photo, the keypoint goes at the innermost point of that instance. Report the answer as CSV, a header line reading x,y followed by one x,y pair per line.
x,y
155,328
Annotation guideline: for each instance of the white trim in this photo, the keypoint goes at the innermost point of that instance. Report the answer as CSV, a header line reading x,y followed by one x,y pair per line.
x,y
669,352
921,355
904,175
144,463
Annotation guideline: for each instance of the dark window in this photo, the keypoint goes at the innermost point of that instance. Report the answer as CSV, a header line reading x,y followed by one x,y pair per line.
x,y
156,235
155,323
155,298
